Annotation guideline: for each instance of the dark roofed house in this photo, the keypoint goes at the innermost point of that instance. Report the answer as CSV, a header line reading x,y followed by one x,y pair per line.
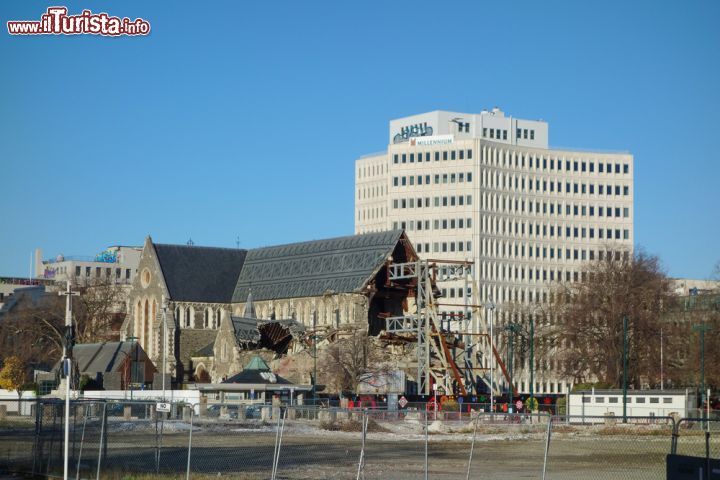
x,y
113,365
265,296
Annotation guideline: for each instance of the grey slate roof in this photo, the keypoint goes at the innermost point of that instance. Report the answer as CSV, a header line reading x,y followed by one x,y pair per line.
x,y
200,274
103,357
341,265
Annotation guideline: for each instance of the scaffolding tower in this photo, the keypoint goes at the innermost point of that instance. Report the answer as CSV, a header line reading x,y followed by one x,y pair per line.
x,y
432,341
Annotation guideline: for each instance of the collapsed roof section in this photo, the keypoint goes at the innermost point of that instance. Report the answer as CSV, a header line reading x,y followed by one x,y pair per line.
x,y
275,335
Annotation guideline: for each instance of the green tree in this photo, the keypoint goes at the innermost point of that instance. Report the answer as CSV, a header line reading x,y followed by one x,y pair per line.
x,y
13,376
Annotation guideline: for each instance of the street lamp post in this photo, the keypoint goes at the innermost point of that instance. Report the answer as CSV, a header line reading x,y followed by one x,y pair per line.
x,y
133,345
491,308
165,345
532,362
625,328
314,382
701,328
67,364
512,329
662,377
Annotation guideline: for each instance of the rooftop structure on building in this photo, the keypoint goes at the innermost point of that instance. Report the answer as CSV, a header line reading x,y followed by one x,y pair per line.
x,y
116,264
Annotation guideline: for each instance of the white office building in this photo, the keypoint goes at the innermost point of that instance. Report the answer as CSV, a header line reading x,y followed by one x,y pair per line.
x,y
116,264
487,187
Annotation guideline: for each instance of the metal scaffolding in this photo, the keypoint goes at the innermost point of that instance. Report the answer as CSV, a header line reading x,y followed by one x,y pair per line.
x,y
432,341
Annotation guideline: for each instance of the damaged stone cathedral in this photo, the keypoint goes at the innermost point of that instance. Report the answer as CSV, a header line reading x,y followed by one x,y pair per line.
x,y
220,305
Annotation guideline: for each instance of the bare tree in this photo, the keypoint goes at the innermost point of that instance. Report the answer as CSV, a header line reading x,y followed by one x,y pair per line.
x,y
98,311
683,343
34,329
352,360
590,338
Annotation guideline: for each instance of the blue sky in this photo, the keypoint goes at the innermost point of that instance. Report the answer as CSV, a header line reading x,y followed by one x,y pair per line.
x,y
245,119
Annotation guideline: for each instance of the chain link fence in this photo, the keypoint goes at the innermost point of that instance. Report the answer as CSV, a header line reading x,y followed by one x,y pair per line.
x,y
607,447
697,437
124,439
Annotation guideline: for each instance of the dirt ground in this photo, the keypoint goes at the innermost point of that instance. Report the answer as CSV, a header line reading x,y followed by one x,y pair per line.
x,y
392,451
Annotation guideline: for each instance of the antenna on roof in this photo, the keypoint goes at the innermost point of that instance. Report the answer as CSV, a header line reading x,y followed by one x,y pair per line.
x,y
190,242
237,242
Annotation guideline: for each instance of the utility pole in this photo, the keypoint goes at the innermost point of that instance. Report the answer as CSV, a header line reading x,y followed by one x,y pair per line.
x,y
625,328
67,364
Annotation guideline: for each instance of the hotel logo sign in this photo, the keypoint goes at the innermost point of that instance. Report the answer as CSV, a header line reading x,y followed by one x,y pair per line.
x,y
411,131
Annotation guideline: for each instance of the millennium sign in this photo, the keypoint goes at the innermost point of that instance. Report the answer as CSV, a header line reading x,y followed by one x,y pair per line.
x,y
432,141
417,130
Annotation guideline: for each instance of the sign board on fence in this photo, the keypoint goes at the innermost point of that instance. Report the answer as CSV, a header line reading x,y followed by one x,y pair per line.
x,y
382,383
402,402
162,407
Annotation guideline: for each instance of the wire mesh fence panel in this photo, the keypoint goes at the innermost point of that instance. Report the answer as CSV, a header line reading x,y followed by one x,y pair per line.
x,y
698,437
237,441
395,444
85,434
509,445
140,440
319,443
17,435
605,447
